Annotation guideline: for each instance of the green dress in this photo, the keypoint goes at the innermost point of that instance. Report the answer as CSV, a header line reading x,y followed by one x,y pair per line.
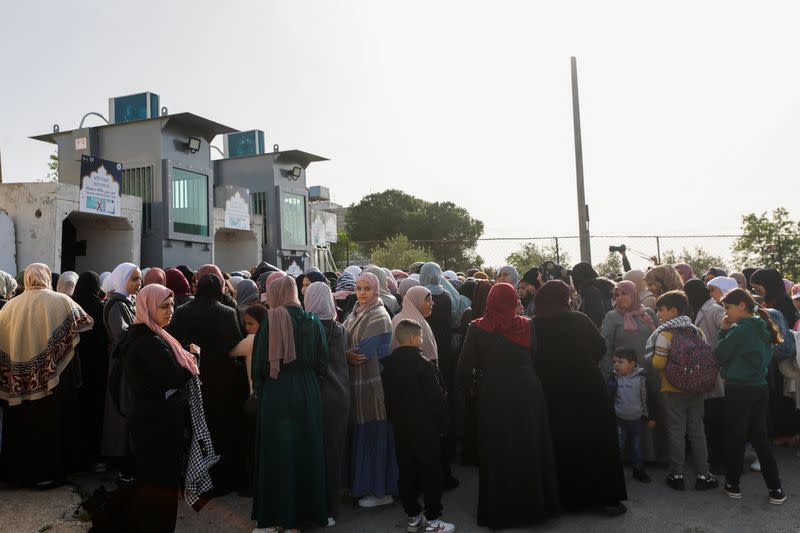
x,y
290,483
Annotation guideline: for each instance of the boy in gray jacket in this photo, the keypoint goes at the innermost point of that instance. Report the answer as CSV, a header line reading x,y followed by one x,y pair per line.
x,y
628,385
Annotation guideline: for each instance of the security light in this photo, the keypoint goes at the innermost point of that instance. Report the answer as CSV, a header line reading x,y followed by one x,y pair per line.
x,y
296,172
194,144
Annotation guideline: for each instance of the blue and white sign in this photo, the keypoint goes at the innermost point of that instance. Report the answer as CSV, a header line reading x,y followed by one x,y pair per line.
x,y
101,185
237,211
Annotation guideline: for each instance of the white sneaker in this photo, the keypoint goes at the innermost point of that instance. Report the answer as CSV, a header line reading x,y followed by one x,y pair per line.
x,y
373,501
331,521
439,526
415,523
755,466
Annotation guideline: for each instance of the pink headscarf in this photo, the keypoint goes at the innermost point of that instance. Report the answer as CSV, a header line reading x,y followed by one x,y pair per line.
x,y
788,285
281,293
38,276
211,269
372,279
636,310
399,275
147,302
685,271
155,275
278,274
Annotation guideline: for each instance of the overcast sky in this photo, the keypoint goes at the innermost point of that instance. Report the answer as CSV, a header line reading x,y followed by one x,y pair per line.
x,y
689,109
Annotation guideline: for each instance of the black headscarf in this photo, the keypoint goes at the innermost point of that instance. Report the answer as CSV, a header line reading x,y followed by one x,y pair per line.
x,y
582,273
187,272
314,277
776,296
209,287
87,293
468,288
747,272
697,293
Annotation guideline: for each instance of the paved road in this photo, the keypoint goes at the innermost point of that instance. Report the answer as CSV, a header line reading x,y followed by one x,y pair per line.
x,y
652,508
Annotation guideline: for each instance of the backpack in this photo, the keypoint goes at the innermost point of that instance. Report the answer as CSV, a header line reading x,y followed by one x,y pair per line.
x,y
118,386
691,365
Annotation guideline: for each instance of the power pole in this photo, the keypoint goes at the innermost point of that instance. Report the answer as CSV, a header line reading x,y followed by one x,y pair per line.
x,y
583,209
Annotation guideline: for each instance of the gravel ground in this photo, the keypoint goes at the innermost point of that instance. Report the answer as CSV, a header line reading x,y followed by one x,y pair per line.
x,y
651,508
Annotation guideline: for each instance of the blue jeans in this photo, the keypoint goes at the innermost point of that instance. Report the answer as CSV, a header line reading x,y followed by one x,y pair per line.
x,y
630,432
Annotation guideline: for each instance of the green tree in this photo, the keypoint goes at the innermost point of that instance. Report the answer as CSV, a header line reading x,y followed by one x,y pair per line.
x,y
399,252
699,259
52,167
339,249
771,241
533,255
611,265
447,230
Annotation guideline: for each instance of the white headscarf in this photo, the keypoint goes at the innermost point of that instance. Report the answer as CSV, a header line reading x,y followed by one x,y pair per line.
x,y
119,278
724,284
7,285
318,299
66,282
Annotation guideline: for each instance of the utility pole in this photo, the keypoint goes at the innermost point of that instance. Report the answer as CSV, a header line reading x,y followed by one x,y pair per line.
x,y
583,209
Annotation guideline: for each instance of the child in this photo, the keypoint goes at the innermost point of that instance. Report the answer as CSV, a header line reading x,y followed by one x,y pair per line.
x,y
416,408
629,386
684,410
744,352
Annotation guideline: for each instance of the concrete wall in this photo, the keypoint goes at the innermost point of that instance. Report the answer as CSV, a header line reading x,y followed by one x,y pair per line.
x,y
236,249
38,211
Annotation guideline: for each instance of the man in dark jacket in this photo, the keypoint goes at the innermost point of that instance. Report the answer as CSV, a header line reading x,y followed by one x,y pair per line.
x,y
417,410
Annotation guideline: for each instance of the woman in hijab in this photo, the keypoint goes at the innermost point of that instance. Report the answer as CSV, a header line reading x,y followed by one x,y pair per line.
x,y
66,282
214,327
389,301
747,272
373,465
517,484
226,298
119,312
391,283
595,293
482,289
92,351
508,274
180,287
629,325
663,278
405,286
155,275
39,381
581,413
7,287
157,370
418,305
686,272
785,419
289,352
334,388
645,296
246,294
740,280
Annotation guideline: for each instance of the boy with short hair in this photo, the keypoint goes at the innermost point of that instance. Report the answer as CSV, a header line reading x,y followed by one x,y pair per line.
x,y
416,408
684,410
628,384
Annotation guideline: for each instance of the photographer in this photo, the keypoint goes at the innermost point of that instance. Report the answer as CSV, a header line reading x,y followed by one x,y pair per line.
x,y
626,265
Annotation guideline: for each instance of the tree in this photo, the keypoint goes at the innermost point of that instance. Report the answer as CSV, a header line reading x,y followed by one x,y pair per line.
x,y
611,265
399,252
533,255
699,259
769,241
52,167
447,230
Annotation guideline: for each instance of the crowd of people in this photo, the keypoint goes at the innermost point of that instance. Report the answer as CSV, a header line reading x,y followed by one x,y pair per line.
x,y
371,383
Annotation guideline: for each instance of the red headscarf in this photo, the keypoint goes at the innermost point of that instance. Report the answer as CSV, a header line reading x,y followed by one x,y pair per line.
x,y
155,275
501,315
177,283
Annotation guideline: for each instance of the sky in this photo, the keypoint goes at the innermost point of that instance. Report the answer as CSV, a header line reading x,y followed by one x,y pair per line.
x,y
689,109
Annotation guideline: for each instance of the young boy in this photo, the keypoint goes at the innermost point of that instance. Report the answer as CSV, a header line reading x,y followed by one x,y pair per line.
x,y
684,410
629,387
416,408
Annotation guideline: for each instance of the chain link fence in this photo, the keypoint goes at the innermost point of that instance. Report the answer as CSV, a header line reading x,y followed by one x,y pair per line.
x,y
563,249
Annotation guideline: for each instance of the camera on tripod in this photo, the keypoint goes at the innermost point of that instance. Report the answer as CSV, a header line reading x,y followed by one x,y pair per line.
x,y
621,249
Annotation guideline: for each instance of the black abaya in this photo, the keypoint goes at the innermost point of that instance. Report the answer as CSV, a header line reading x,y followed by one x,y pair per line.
x,y
214,327
518,483
581,413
